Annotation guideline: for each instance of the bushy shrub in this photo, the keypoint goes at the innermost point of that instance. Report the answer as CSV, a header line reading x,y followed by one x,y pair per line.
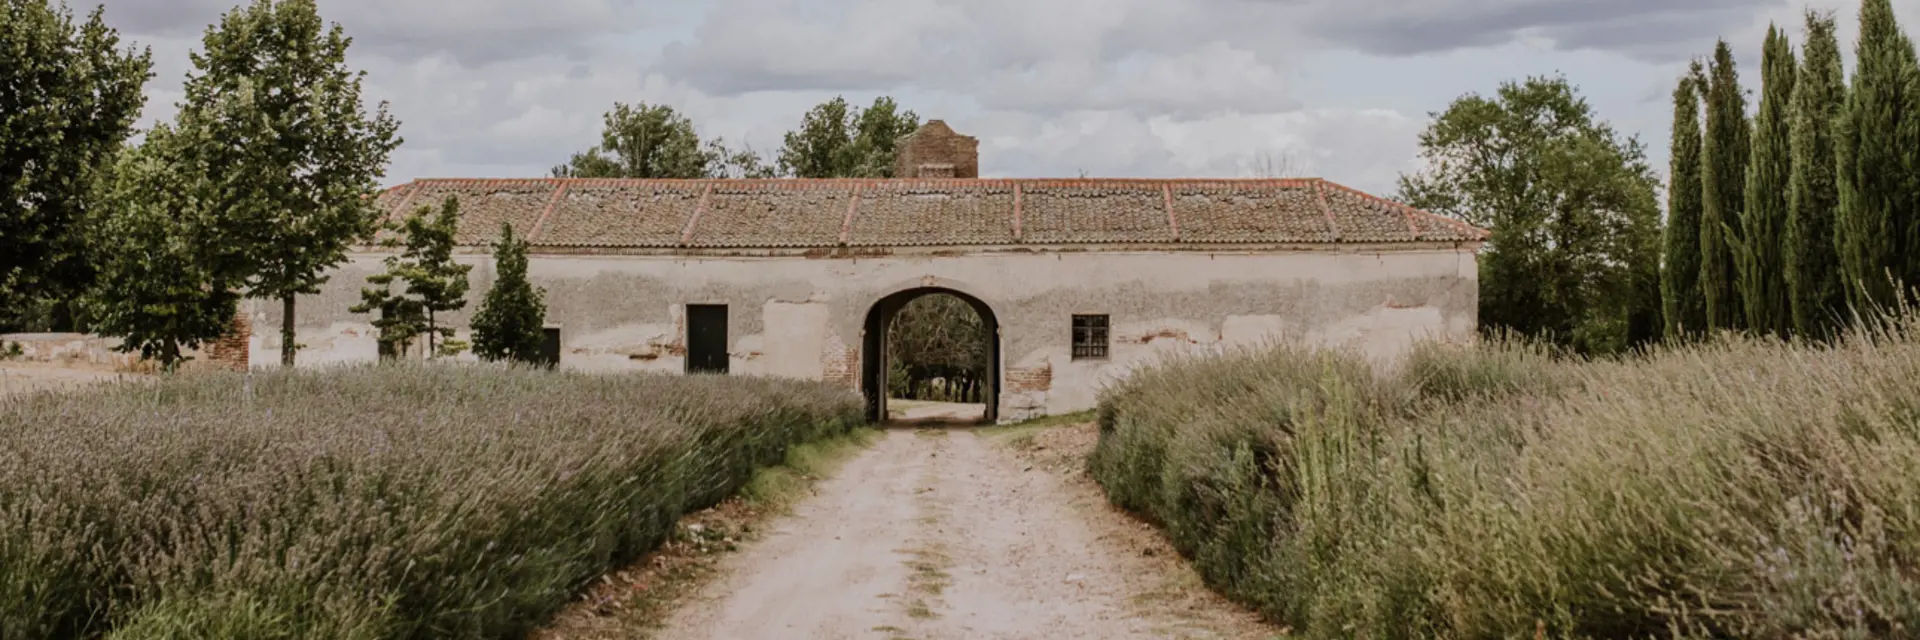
x,y
377,502
1740,488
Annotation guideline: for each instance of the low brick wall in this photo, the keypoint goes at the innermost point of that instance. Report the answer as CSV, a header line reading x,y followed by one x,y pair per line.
x,y
81,349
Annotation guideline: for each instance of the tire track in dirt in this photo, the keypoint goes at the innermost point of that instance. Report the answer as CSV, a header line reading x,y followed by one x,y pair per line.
x,y
939,535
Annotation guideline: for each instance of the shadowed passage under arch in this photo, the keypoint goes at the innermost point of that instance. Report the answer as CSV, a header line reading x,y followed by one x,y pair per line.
x,y
874,357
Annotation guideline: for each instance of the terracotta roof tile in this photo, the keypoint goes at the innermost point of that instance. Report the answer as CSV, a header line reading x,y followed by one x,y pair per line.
x,y
917,214
616,215
484,204
1254,212
924,212
772,214
1365,219
1082,213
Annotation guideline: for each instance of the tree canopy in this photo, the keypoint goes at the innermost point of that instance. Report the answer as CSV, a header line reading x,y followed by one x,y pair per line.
x,y
1685,310
1572,207
510,323
69,95
1878,155
289,150
1724,154
1761,273
1811,262
434,283
656,141
837,140
168,274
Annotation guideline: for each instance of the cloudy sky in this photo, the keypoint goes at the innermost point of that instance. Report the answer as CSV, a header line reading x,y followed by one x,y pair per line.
x,y
1112,88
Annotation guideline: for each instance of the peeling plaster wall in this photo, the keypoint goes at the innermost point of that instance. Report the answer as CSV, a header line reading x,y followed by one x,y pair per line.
x,y
803,317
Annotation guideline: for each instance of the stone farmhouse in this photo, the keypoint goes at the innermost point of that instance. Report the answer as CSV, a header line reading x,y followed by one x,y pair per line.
x,y
1078,280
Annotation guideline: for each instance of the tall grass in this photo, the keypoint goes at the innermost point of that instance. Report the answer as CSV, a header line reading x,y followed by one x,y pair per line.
x,y
382,502
1740,488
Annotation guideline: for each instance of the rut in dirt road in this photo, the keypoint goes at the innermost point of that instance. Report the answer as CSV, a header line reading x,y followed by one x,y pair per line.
x,y
934,535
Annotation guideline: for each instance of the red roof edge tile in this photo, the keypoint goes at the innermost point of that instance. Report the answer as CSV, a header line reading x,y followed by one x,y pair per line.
x,y
1166,194
1320,190
846,226
540,225
686,237
1018,232
402,207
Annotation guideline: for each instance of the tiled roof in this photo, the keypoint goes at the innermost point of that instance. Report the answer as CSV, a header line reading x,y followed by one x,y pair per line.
x,y
793,213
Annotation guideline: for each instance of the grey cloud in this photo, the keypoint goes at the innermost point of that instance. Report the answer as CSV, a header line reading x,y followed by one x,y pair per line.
x,y
1055,57
1392,27
473,32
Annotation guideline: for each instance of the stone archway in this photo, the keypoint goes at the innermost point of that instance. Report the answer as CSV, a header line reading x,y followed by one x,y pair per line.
x,y
873,348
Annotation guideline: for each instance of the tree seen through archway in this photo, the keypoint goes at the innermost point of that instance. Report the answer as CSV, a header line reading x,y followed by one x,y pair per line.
x,y
938,350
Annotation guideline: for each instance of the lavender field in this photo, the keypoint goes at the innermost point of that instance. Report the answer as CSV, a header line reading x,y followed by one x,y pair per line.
x,y
374,502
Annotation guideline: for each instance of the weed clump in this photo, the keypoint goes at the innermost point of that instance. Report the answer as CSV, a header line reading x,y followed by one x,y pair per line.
x,y
1738,488
371,502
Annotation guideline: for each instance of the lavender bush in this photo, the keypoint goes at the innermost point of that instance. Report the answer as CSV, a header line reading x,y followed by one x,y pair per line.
x,y
377,502
1743,488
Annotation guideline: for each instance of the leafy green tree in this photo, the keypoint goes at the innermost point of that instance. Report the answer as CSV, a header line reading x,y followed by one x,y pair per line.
x,y
292,154
837,140
642,141
167,281
69,96
939,336
1723,155
510,323
727,162
1686,312
1878,152
1811,262
401,320
655,141
1761,273
1572,205
435,284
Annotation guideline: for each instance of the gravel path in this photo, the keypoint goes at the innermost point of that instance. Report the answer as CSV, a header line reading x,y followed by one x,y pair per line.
x,y
945,534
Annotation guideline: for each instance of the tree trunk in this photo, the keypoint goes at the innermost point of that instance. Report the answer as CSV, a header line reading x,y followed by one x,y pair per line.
x,y
170,356
432,329
286,332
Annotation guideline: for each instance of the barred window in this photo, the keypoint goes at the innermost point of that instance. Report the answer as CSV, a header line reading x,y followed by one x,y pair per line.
x,y
1089,337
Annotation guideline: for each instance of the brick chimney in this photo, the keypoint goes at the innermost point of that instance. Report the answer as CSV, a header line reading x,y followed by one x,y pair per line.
x,y
935,151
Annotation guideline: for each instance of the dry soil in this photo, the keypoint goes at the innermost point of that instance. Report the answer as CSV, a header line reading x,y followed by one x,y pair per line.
x,y
938,534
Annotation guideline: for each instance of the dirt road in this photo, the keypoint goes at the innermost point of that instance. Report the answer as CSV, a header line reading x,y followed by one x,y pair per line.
x,y
947,534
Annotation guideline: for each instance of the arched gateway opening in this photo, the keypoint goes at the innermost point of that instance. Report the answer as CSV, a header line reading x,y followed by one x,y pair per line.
x,y
875,359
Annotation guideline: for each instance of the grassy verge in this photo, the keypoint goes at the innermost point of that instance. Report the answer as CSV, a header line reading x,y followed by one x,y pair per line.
x,y
1020,435
365,503
633,602
1740,488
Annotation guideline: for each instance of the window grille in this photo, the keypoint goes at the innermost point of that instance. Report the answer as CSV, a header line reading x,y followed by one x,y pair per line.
x,y
1090,337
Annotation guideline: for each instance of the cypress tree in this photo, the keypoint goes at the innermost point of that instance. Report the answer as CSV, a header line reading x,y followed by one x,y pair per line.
x,y
1812,266
1762,223
1878,129
1680,275
510,322
1723,190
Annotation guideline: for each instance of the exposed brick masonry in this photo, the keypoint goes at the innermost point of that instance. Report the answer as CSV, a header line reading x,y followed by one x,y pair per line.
x,y
230,351
935,151
1029,380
